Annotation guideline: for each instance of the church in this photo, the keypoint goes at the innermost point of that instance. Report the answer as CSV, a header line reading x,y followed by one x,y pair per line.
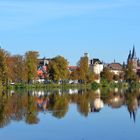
x,y
132,58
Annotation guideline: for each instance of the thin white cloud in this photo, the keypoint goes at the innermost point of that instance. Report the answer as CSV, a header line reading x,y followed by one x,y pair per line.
x,y
19,14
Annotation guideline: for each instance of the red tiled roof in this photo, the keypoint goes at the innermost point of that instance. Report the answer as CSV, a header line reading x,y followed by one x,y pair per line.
x,y
72,67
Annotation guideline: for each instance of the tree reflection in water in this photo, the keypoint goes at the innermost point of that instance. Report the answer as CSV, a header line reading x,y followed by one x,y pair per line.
x,y
25,105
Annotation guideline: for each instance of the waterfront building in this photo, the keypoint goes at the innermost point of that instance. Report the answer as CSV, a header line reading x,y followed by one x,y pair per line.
x,y
96,66
42,70
115,68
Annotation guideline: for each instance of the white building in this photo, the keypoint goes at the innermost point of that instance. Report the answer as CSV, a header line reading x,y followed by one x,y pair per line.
x,y
97,67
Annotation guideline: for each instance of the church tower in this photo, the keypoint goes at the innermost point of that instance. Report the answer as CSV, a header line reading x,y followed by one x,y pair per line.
x,y
132,58
129,57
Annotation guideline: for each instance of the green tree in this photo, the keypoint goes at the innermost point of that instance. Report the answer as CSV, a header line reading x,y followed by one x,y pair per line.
x,y
58,69
31,64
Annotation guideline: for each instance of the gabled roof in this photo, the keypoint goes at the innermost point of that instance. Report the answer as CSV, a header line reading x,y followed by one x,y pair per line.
x,y
115,66
72,67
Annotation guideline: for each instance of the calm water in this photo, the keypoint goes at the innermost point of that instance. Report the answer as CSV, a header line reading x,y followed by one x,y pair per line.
x,y
70,115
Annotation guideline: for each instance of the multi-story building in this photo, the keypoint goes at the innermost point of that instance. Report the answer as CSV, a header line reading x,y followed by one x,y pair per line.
x,y
97,67
43,68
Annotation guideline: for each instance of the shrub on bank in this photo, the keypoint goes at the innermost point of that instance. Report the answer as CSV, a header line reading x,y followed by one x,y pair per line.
x,y
95,85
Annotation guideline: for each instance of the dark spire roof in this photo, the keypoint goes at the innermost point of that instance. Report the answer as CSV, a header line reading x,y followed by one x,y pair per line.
x,y
134,53
130,55
138,61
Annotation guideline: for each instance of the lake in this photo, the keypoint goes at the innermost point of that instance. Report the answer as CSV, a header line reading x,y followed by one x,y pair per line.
x,y
70,115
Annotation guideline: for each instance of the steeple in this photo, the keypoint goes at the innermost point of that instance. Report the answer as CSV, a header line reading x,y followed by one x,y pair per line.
x,y
130,55
132,58
138,61
134,53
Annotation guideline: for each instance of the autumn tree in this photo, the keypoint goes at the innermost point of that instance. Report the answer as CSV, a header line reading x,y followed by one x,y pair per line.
x,y
83,105
58,69
107,75
60,107
130,75
90,77
31,115
83,73
3,67
74,75
16,68
83,68
31,64
116,77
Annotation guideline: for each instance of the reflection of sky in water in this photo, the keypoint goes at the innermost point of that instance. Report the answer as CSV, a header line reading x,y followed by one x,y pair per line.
x,y
90,115
108,124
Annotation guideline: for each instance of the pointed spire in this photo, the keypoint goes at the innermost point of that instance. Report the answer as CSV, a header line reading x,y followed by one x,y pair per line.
x,y
138,61
134,53
130,114
129,56
134,116
124,65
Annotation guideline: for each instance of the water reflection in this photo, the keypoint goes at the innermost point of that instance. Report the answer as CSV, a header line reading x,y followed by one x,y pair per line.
x,y
26,105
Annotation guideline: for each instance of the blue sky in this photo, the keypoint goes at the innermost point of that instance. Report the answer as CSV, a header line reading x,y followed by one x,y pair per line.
x,y
106,29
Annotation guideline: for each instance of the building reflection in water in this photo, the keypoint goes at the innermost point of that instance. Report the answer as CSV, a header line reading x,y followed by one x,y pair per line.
x,y
117,100
133,109
132,102
97,104
26,105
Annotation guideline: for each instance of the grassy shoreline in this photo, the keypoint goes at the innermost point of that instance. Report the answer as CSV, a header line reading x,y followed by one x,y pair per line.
x,y
122,85
92,86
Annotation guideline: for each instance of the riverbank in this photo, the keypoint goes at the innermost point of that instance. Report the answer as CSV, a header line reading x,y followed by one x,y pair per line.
x,y
121,85
93,86
49,86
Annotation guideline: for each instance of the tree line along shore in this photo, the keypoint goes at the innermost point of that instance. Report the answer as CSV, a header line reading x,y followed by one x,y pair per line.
x,y
21,71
